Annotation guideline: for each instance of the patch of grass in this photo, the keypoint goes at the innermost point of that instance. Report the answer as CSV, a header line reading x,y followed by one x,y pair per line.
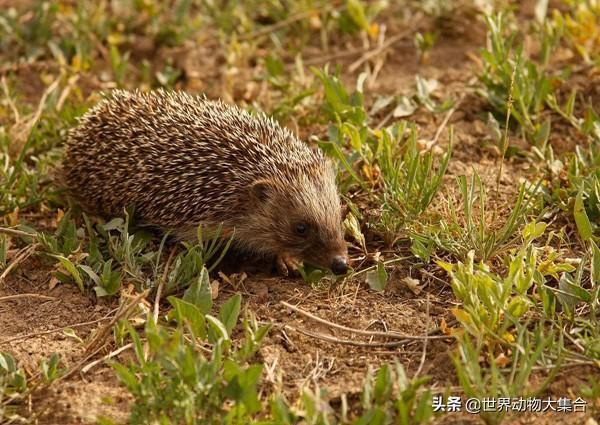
x,y
475,228
29,150
491,381
402,178
496,312
194,373
410,179
13,384
507,70
177,381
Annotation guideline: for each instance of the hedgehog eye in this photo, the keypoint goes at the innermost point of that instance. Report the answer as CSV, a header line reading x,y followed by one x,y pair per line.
x,y
301,229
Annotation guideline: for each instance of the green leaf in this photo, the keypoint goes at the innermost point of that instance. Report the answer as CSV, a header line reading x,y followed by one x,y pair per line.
x,y
447,267
50,369
114,224
110,280
377,279
404,108
581,219
91,273
595,272
383,384
71,269
127,377
71,334
228,315
571,292
534,230
217,329
352,225
242,384
199,293
519,305
356,10
187,313
422,248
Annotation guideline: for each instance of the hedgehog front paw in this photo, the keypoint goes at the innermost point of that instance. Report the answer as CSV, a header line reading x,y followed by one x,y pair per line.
x,y
286,265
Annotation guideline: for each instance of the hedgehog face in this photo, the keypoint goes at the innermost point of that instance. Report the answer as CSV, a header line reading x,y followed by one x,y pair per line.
x,y
301,220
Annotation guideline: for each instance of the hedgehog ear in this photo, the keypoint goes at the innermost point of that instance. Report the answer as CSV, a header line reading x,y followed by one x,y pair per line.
x,y
260,190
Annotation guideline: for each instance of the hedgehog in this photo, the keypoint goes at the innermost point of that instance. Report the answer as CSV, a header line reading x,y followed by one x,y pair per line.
x,y
183,161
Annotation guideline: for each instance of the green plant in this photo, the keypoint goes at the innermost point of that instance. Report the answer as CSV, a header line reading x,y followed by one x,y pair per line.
x,y
13,384
16,385
508,74
424,43
491,303
410,180
179,380
490,381
389,157
290,90
391,396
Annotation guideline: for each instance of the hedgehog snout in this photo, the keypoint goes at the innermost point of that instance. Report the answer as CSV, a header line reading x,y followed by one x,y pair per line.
x,y
339,265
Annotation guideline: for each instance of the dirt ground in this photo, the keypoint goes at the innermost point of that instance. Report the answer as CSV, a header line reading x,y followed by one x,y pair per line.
x,y
32,327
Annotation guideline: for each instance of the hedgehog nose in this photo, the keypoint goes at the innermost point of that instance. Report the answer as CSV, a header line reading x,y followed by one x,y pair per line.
x,y
339,265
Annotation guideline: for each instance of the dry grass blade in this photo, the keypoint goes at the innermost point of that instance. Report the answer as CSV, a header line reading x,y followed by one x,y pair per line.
x,y
16,233
161,285
24,254
447,117
424,354
122,313
335,340
21,130
110,355
509,105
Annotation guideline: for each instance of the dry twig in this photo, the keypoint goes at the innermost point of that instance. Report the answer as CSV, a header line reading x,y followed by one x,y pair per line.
x,y
51,331
122,312
335,340
390,334
110,355
424,355
24,254
19,296
16,232
161,285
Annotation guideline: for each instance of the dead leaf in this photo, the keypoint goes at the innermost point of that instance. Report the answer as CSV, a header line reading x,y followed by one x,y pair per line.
x,y
446,330
53,282
413,285
501,360
57,218
214,289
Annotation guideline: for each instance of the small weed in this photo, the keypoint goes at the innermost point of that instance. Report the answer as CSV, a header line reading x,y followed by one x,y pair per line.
x,y
489,381
491,303
16,387
424,43
13,385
